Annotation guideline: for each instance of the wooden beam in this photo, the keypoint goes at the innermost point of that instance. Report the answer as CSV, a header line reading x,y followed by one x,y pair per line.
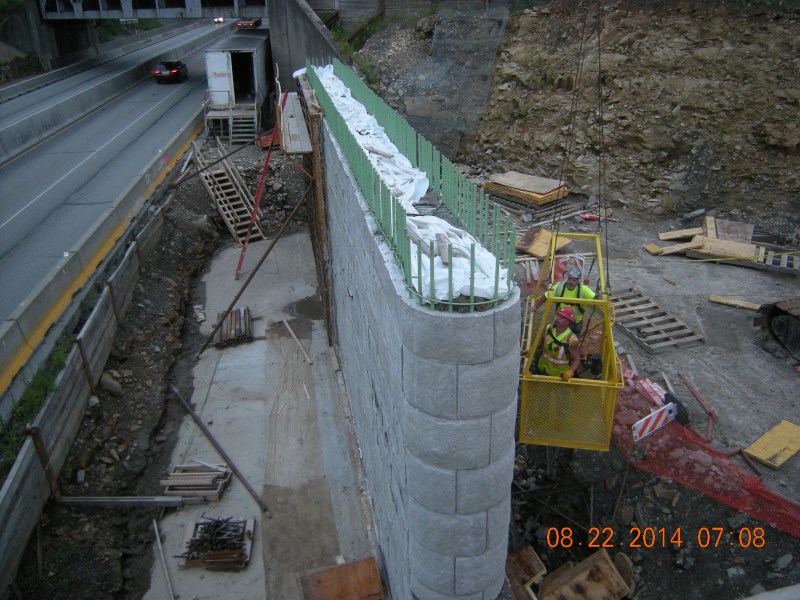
x,y
697,242
680,233
734,302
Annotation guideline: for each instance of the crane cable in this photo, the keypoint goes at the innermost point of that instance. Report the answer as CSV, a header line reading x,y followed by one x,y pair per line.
x,y
570,135
602,195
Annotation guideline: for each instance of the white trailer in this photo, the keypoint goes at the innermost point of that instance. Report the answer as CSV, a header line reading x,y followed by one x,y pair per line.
x,y
237,70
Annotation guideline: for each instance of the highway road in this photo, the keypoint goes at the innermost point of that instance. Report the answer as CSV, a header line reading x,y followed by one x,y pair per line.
x,y
51,195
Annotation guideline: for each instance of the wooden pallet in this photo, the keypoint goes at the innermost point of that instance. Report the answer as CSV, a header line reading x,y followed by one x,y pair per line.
x,y
780,260
197,481
650,326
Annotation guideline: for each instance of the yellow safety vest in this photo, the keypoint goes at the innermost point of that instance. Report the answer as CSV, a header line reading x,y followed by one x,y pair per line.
x,y
581,291
556,356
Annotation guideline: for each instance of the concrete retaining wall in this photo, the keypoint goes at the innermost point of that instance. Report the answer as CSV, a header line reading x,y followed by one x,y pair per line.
x,y
297,34
433,395
26,489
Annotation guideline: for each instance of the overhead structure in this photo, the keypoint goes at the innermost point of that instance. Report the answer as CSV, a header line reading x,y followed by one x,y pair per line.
x,y
578,413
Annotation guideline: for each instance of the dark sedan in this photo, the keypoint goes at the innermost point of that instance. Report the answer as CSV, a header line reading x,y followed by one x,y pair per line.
x,y
171,70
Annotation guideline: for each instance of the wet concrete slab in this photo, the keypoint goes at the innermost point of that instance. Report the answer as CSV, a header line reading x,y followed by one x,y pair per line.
x,y
284,422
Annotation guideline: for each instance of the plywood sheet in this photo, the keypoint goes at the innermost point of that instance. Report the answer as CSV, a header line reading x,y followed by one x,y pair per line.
x,y
357,580
726,249
526,183
295,138
734,232
776,446
536,242
527,189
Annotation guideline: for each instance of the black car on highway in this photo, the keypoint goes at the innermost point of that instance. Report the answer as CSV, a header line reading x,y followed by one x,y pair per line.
x,y
170,70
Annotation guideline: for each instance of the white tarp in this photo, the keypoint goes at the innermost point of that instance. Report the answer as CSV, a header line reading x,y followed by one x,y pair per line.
x,y
408,184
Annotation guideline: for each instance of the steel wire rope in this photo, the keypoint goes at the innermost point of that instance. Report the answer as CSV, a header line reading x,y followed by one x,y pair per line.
x,y
570,134
602,186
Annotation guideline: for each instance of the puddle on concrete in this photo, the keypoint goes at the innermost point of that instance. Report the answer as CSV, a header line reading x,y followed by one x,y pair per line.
x,y
310,308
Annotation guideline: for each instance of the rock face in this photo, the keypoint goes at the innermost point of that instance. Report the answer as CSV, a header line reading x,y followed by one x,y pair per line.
x,y
697,106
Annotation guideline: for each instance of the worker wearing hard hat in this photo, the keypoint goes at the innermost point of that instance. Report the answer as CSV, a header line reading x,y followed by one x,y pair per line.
x,y
559,353
571,288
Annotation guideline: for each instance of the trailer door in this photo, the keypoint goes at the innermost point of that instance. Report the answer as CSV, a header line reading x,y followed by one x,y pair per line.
x,y
220,79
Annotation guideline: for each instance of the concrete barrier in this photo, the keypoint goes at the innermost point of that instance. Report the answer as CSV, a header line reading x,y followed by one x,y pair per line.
x,y
26,489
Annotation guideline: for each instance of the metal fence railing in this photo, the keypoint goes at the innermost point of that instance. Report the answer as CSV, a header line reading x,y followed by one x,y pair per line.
x,y
467,203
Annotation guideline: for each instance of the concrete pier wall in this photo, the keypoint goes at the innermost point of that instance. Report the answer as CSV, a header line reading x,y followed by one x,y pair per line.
x,y
433,397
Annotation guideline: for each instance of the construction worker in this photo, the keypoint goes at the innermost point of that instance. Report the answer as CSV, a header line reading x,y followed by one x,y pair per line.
x,y
571,288
559,353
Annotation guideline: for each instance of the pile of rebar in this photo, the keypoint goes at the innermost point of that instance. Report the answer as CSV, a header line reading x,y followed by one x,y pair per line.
x,y
219,545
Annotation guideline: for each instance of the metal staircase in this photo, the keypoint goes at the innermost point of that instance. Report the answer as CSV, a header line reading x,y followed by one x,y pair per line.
x,y
234,202
244,128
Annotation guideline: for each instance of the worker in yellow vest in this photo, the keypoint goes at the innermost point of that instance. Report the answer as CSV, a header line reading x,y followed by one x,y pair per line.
x,y
571,288
560,348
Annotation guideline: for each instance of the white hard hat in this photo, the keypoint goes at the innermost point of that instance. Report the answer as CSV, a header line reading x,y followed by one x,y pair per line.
x,y
574,272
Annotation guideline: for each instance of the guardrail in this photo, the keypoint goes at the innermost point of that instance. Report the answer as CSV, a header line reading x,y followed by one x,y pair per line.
x,y
26,490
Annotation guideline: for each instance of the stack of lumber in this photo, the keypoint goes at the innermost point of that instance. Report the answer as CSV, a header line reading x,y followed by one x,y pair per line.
x,y
204,481
726,241
527,189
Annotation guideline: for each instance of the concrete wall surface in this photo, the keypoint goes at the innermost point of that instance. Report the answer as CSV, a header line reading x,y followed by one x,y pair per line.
x,y
433,395
296,33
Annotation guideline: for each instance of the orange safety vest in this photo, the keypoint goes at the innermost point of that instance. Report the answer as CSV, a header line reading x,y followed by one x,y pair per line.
x,y
556,356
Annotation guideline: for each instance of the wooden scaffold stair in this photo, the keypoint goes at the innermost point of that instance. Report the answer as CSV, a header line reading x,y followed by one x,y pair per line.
x,y
226,187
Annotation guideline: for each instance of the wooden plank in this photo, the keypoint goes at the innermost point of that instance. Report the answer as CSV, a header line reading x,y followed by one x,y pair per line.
x,y
710,228
523,567
189,481
594,578
728,301
652,249
296,138
776,446
680,233
726,249
697,242
357,580
536,242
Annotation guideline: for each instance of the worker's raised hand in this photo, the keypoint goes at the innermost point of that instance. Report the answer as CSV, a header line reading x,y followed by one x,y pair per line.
x,y
567,375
